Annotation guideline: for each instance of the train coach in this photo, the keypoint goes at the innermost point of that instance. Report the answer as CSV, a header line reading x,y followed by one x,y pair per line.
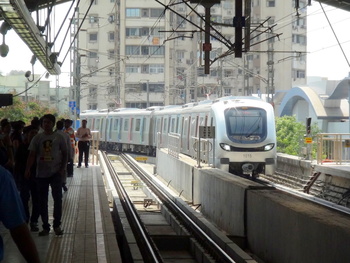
x,y
244,142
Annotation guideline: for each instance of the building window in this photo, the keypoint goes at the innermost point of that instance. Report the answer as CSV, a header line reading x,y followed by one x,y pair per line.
x,y
111,54
180,54
92,37
270,3
133,12
156,68
144,50
93,91
157,50
155,32
92,106
228,73
93,19
144,31
227,92
300,74
145,68
132,32
157,13
132,50
132,69
145,13
92,54
110,36
299,39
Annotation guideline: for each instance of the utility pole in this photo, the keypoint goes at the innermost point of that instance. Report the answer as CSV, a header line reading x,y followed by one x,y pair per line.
x,y
207,4
270,71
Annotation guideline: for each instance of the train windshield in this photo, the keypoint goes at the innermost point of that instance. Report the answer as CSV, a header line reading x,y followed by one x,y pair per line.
x,y
246,124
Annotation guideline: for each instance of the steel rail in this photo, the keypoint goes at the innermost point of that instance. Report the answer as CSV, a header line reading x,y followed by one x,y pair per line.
x,y
206,241
147,247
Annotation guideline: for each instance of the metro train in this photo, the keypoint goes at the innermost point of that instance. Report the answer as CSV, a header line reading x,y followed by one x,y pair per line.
x,y
244,127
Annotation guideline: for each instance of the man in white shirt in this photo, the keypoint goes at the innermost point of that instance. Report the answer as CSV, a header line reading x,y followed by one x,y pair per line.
x,y
84,136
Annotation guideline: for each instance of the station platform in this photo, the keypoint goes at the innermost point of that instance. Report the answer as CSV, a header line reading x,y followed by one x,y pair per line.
x,y
89,234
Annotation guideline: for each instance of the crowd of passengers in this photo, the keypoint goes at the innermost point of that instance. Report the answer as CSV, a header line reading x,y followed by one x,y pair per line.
x,y
33,159
15,141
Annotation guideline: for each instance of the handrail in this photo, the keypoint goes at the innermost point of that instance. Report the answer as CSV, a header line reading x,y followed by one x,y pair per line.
x,y
333,148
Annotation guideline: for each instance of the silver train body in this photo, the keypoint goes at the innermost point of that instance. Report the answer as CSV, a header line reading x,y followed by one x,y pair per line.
x,y
244,142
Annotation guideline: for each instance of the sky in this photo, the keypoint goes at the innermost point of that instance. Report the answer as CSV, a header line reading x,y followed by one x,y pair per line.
x,y
325,57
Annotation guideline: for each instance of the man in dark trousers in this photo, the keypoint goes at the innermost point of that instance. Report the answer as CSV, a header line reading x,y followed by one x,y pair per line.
x,y
50,152
84,136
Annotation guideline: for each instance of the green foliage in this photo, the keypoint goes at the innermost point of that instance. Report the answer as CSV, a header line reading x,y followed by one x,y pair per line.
x,y
26,111
290,135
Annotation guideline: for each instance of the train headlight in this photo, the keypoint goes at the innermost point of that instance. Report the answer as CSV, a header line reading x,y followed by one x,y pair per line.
x,y
269,147
225,146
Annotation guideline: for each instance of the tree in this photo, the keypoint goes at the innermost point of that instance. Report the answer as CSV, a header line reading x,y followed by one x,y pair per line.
x,y
26,111
290,135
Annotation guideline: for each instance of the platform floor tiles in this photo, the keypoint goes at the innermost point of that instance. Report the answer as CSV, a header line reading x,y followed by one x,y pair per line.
x,y
89,235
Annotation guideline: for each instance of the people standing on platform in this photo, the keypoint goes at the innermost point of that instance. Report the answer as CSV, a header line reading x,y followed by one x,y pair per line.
x,y
70,131
84,136
17,134
49,150
6,148
59,129
27,186
13,217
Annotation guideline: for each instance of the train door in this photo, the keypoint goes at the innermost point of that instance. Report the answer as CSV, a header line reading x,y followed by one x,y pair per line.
x,y
119,130
113,130
172,124
165,130
131,128
108,128
138,132
193,134
143,127
125,138
182,133
97,124
102,130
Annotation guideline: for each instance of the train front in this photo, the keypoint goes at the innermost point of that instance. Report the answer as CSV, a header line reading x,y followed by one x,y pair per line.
x,y
245,137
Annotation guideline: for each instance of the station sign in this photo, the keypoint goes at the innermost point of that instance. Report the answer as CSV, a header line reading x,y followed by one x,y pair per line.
x,y
207,132
308,140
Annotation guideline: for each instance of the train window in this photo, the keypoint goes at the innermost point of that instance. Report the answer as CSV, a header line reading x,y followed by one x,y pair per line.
x,y
165,125
247,125
172,126
137,124
97,126
102,129
194,126
158,129
116,123
126,124
177,125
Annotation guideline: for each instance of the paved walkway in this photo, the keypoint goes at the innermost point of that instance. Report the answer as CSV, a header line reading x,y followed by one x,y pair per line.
x,y
89,234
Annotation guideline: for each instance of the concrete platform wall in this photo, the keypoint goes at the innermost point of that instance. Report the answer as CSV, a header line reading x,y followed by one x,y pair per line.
x,y
175,172
278,227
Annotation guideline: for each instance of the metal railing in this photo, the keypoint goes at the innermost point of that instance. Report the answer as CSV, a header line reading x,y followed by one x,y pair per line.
x,y
202,150
333,148
174,144
95,143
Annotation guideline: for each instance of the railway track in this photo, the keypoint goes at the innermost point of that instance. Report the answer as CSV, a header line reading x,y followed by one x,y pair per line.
x,y
163,226
318,194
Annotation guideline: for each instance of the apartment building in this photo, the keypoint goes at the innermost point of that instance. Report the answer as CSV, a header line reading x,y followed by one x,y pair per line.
x,y
139,53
